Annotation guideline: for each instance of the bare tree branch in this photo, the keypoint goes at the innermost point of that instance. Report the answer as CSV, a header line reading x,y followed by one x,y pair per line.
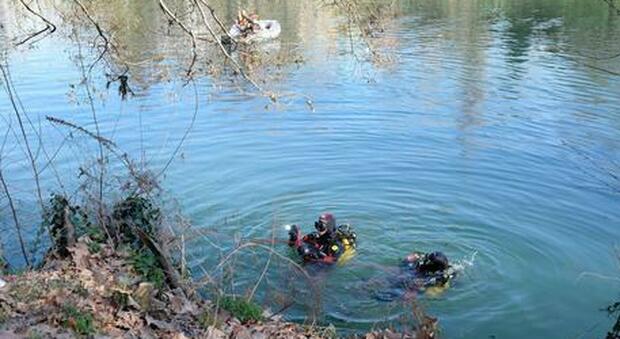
x,y
15,220
24,136
107,42
187,30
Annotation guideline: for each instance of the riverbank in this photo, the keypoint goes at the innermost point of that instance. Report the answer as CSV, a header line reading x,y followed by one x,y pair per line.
x,y
98,291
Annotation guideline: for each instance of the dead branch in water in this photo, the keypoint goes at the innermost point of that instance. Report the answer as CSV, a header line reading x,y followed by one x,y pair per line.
x,y
271,250
109,144
49,27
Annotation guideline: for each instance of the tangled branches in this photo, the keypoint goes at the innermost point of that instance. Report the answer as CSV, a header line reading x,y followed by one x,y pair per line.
x,y
237,68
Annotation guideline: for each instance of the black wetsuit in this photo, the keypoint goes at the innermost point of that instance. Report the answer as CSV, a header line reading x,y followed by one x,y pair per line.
x,y
417,276
326,245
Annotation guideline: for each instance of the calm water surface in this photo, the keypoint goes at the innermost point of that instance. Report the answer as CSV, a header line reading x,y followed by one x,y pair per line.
x,y
492,133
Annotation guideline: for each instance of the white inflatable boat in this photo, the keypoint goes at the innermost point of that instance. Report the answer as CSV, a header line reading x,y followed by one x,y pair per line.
x,y
261,31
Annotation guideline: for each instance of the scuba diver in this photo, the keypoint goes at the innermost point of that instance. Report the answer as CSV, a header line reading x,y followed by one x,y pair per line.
x,y
327,244
424,270
419,272
245,25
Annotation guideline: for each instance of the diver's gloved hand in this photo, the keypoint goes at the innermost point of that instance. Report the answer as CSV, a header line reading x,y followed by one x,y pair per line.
x,y
293,234
314,236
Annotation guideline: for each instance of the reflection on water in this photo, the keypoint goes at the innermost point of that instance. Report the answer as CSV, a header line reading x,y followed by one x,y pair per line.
x,y
495,129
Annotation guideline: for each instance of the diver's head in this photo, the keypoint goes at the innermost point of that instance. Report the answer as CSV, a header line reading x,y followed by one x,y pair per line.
x,y
434,262
326,223
412,258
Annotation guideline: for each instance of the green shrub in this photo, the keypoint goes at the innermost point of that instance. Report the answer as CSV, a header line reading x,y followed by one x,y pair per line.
x,y
145,263
58,215
94,247
241,309
4,265
81,322
120,299
135,211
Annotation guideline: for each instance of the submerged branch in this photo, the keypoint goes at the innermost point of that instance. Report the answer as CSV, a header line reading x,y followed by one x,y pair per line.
x,y
271,250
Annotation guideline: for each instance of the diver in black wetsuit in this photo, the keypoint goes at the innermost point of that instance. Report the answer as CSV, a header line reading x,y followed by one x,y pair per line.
x,y
324,245
423,270
419,271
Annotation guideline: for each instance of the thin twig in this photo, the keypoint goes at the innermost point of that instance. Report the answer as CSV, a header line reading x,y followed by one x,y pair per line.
x,y
14,214
187,131
23,132
101,160
596,165
109,144
236,65
38,133
219,22
265,268
606,57
186,30
297,266
107,42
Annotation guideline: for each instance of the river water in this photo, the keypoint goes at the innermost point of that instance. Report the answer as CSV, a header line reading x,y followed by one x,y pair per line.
x,y
492,134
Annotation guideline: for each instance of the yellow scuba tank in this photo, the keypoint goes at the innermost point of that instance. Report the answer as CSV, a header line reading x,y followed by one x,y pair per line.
x,y
435,291
348,238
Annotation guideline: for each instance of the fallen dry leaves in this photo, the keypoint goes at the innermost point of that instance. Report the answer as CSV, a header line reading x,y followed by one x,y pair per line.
x,y
100,295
